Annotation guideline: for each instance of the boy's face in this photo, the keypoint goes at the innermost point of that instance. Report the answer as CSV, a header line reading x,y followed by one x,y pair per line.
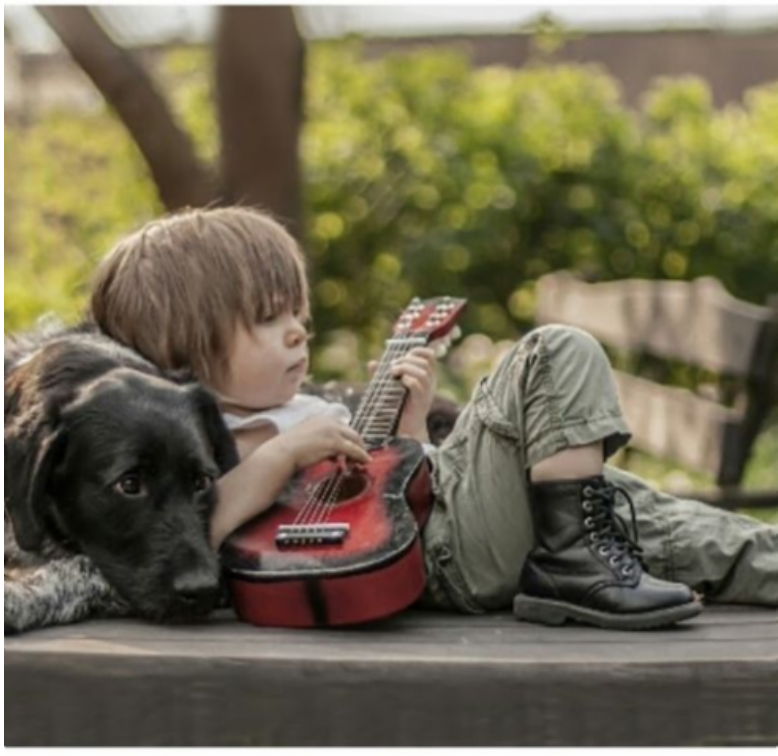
x,y
267,363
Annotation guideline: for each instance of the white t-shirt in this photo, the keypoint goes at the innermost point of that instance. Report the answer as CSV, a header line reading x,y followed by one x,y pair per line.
x,y
299,408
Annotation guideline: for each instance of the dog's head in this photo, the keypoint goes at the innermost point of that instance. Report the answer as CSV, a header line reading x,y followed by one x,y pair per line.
x,y
123,469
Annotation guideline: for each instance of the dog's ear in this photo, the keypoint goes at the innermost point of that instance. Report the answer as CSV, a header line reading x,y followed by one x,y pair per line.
x,y
225,450
30,458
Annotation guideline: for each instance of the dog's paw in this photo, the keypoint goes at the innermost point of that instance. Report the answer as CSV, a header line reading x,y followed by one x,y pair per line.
x,y
60,593
14,609
89,588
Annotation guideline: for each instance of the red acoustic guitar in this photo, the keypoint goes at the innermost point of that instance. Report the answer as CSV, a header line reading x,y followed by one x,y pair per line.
x,y
341,546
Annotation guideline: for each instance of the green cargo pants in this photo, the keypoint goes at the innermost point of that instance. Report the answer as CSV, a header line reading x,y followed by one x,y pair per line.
x,y
555,390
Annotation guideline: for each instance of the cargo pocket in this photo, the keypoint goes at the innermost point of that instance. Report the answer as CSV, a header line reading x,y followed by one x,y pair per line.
x,y
490,414
452,457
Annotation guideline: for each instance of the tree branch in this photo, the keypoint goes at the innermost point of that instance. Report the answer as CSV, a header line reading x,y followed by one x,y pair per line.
x,y
180,177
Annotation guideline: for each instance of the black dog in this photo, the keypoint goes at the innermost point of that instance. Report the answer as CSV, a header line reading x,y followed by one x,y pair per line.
x,y
110,470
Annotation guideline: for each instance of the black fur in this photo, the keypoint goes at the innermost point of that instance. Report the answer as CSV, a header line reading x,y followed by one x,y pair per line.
x,y
109,484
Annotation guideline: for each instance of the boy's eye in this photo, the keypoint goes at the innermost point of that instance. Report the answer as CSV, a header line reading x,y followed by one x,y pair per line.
x,y
304,321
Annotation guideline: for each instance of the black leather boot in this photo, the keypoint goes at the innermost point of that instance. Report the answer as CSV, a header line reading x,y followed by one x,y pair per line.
x,y
585,566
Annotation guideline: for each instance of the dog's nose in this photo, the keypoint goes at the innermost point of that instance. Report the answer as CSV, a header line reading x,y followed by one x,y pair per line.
x,y
198,590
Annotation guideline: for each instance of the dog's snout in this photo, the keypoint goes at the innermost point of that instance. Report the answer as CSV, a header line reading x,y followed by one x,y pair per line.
x,y
198,590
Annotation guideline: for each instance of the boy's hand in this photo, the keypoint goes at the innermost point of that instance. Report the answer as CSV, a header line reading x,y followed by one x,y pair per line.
x,y
319,438
418,372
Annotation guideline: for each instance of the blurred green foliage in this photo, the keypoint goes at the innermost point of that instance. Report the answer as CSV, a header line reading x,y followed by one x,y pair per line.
x,y
73,184
426,176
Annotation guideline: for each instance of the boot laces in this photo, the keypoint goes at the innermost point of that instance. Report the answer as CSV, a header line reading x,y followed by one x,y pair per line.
x,y
608,531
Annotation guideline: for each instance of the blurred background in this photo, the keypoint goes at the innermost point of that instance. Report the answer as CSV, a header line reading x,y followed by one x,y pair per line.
x,y
413,150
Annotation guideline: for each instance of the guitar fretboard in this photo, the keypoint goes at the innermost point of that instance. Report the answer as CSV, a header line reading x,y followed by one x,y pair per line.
x,y
379,412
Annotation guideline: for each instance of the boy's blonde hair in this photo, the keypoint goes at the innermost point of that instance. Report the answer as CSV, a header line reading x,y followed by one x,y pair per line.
x,y
177,289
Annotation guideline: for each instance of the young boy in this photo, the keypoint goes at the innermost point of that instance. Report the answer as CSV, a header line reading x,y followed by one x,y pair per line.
x,y
525,514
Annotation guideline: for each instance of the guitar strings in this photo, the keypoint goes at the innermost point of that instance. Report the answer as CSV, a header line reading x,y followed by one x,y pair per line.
x,y
382,379
321,501
379,402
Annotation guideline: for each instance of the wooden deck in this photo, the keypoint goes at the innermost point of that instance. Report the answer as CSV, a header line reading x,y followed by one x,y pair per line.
x,y
422,679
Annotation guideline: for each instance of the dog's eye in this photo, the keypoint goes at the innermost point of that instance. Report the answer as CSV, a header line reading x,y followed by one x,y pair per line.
x,y
129,485
203,483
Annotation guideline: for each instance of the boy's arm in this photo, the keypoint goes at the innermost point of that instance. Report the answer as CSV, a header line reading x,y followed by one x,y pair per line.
x,y
253,486
250,488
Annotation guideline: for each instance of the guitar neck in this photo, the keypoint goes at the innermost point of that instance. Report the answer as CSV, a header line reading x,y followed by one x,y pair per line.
x,y
378,414
422,322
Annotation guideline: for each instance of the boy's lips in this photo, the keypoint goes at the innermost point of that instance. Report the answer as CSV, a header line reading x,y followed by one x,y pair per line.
x,y
299,366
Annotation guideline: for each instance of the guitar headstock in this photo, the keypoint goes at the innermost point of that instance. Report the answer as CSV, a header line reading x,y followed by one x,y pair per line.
x,y
430,319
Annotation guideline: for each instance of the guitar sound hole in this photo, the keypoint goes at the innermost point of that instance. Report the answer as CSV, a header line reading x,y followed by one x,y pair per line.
x,y
349,486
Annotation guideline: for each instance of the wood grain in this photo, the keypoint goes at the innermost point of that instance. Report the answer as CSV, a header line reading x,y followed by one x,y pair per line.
x,y
421,679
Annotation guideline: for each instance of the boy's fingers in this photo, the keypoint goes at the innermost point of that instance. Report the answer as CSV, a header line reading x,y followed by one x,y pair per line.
x,y
355,451
424,352
428,356
416,360
351,444
413,370
351,435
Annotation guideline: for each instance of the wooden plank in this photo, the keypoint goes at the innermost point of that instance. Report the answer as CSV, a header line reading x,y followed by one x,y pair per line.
x,y
423,679
697,322
675,423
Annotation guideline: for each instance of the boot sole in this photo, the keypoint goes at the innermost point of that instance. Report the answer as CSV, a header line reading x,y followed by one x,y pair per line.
x,y
556,613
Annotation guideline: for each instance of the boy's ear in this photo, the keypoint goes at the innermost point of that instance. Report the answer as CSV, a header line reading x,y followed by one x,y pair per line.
x,y
30,458
225,450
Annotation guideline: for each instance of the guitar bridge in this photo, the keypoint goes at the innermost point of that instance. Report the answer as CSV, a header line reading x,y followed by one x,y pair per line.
x,y
332,534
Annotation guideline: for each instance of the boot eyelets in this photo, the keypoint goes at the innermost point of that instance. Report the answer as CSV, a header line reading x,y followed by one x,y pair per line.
x,y
602,551
588,491
589,523
587,507
626,571
595,537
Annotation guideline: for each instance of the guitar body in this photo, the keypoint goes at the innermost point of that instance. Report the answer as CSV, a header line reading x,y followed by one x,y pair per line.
x,y
363,563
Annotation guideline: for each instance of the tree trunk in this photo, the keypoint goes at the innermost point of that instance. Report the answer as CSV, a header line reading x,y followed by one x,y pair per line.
x,y
259,72
180,177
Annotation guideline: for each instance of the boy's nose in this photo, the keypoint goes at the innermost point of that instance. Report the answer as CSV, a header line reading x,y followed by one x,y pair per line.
x,y
296,334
